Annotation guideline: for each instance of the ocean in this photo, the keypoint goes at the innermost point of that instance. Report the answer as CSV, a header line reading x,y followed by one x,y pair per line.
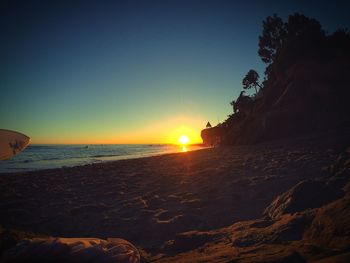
x,y
39,157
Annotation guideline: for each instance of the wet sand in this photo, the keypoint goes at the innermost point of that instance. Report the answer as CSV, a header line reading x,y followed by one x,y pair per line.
x,y
150,201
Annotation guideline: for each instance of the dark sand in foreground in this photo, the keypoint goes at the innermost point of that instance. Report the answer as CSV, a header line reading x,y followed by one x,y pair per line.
x,y
149,200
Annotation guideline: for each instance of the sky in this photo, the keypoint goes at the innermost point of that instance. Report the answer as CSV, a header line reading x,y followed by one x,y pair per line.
x,y
132,71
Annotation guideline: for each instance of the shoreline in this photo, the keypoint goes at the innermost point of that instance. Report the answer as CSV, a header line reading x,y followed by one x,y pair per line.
x,y
99,163
77,161
150,201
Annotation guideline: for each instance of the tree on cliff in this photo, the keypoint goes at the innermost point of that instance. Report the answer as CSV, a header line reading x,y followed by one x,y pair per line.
x,y
298,34
304,28
243,103
234,106
251,80
271,40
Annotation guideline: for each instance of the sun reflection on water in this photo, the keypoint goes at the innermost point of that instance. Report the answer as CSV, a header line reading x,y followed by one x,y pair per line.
x,y
184,148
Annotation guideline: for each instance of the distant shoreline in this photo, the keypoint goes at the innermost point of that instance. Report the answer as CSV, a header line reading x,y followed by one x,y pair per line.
x,y
56,163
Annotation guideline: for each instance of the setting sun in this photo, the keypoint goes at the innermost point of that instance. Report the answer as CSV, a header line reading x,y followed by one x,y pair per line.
x,y
180,128
184,139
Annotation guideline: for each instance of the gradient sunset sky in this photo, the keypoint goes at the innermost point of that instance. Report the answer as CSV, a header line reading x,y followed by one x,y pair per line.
x,y
132,71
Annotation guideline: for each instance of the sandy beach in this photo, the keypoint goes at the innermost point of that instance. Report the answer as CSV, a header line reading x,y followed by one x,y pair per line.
x,y
151,201
175,131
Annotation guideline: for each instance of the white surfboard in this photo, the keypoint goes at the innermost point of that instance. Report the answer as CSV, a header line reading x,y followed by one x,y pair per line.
x,y
11,143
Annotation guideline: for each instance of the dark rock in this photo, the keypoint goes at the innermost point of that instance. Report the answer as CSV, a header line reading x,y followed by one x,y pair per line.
x,y
212,136
187,241
292,257
288,228
307,194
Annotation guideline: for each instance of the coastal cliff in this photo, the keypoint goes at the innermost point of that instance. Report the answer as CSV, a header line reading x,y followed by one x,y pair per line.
x,y
304,91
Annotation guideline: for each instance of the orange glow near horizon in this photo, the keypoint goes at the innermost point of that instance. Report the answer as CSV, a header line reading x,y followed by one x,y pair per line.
x,y
166,131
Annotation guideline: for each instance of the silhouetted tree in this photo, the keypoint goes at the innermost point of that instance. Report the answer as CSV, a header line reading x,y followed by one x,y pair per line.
x,y
234,106
340,40
243,103
302,27
251,80
296,34
271,40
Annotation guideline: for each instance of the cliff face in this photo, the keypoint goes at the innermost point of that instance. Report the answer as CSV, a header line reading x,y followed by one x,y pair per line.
x,y
213,136
308,94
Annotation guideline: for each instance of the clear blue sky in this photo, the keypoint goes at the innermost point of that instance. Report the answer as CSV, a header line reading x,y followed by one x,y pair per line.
x,y
132,71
